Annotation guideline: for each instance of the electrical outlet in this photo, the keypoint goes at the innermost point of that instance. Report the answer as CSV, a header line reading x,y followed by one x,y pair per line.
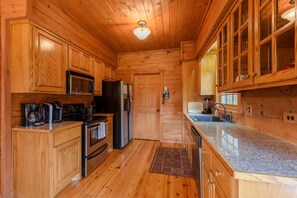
x,y
249,110
290,118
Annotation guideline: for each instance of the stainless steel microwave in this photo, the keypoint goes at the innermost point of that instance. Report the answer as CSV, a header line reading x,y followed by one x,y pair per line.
x,y
79,84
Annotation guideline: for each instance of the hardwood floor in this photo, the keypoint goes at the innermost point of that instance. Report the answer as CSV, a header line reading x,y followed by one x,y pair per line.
x,y
125,174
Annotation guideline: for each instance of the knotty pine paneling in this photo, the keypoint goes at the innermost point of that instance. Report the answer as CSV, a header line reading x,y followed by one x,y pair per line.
x,y
9,9
17,99
268,106
167,61
51,16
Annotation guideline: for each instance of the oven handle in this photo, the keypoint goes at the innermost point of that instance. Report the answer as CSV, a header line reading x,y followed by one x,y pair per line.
x,y
98,152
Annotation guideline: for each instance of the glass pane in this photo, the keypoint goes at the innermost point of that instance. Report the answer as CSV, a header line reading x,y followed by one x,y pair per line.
x,y
225,55
229,99
235,99
265,59
224,99
285,50
220,58
244,68
244,11
235,71
244,40
235,46
284,8
225,34
220,77
235,20
225,76
265,21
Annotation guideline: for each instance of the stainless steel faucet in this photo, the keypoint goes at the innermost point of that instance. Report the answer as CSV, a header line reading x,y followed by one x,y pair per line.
x,y
224,114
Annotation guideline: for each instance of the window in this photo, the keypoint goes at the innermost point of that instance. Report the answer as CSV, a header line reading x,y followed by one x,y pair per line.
x,y
229,98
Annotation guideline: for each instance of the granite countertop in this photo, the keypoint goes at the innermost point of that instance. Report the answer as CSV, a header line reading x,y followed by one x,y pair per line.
x,y
248,150
48,128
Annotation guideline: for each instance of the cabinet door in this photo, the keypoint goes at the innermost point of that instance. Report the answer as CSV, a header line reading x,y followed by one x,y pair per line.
x,y
241,44
110,134
206,181
275,42
86,64
98,74
67,163
217,192
107,74
113,74
74,59
223,57
49,63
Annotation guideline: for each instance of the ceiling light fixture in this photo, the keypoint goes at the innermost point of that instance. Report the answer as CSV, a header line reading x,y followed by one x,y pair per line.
x,y
142,32
290,13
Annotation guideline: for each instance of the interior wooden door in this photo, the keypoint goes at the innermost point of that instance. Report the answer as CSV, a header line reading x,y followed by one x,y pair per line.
x,y
147,106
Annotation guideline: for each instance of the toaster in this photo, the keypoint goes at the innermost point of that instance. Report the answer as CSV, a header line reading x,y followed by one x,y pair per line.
x,y
57,111
47,112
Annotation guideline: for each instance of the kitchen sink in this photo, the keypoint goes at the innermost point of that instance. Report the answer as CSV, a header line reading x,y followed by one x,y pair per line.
x,y
205,118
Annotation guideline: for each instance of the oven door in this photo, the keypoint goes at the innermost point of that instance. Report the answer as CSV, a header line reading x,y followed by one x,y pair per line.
x,y
95,137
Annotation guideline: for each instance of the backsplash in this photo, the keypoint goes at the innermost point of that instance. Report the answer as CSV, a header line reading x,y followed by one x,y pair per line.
x,y
268,106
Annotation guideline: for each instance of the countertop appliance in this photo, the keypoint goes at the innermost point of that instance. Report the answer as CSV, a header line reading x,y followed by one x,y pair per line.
x,y
117,99
79,84
197,159
47,112
94,136
31,114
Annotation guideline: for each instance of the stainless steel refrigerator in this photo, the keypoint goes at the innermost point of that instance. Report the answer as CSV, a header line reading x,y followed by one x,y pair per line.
x,y
117,99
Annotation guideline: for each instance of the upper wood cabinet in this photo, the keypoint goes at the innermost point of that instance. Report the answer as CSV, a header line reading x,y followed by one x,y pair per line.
x,y
98,74
80,61
109,73
38,60
223,56
241,63
275,42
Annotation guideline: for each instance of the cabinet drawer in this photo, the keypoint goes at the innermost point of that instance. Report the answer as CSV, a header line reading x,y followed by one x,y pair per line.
x,y
206,154
221,175
66,135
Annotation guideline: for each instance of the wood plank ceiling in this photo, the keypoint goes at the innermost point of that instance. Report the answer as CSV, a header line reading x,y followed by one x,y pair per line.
x,y
113,21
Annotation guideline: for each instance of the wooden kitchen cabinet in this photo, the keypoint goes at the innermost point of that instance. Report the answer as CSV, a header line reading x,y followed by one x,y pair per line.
x,y
109,73
275,42
110,133
98,74
45,159
113,74
241,62
223,56
38,60
217,181
80,61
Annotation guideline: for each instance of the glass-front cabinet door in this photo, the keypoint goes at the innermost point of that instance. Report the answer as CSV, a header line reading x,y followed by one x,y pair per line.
x,y
275,41
241,64
223,57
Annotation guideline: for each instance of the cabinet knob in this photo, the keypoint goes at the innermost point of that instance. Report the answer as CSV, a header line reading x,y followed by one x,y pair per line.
x,y
217,173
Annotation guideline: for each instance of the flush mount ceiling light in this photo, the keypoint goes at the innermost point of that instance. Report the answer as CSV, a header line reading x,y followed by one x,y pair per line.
x,y
290,13
142,32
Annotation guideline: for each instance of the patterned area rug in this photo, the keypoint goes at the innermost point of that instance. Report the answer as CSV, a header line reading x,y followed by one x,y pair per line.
x,y
171,161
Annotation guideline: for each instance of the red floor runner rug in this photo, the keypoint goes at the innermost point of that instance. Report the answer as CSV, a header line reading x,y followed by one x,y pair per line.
x,y
171,161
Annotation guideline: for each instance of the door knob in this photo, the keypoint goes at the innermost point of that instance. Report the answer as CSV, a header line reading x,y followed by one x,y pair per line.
x,y
158,110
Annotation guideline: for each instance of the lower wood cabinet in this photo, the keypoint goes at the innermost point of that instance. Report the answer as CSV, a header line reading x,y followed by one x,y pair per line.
x,y
110,133
45,160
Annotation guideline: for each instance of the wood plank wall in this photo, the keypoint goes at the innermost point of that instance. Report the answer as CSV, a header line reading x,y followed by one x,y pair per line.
x,y
9,9
50,16
268,106
17,99
167,61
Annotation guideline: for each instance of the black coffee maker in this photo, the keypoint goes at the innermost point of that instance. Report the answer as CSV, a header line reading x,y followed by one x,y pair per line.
x,y
32,114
